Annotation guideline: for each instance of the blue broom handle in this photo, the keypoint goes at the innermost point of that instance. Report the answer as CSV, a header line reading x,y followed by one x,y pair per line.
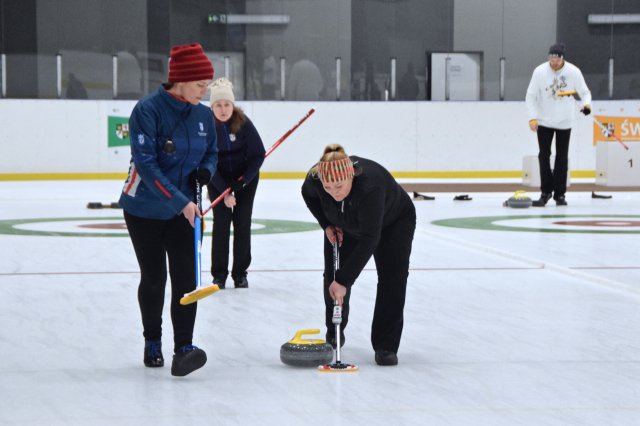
x,y
197,230
198,249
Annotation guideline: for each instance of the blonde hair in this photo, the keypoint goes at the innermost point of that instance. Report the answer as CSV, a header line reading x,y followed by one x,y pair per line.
x,y
333,152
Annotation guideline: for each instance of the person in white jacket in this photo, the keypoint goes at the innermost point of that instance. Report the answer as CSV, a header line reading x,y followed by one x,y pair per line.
x,y
554,88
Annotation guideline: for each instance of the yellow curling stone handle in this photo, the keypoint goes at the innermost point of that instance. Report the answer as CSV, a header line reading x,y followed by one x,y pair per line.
x,y
298,340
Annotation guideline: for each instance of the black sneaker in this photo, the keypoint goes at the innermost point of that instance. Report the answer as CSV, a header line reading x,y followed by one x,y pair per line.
x,y
241,282
386,358
561,201
331,338
220,282
187,359
544,198
153,353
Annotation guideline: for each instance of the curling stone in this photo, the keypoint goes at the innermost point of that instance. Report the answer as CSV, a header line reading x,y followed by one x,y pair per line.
x,y
519,200
300,352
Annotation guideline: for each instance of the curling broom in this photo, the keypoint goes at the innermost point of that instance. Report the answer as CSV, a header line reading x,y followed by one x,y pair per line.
x,y
201,291
338,366
273,147
608,133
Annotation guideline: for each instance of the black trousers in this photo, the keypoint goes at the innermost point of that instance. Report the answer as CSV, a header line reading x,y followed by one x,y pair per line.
x,y
240,216
392,264
553,180
154,241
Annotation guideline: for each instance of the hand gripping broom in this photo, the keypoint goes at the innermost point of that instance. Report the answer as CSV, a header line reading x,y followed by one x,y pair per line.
x,y
338,366
201,291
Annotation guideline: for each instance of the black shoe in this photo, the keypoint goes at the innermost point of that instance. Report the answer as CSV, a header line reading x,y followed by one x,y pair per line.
x,y
220,282
560,201
544,198
386,358
241,282
153,353
187,359
331,338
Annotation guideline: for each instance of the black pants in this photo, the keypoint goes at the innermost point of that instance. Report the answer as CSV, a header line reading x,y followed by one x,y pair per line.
x,y
154,241
553,180
240,216
392,264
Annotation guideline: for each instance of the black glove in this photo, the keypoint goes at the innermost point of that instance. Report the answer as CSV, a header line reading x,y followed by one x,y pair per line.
x,y
202,175
586,110
236,185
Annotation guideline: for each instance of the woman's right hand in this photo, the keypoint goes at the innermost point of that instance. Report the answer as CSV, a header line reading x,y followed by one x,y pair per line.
x,y
190,211
334,233
337,292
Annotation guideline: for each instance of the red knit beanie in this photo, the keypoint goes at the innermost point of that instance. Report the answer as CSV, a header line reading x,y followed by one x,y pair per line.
x,y
189,63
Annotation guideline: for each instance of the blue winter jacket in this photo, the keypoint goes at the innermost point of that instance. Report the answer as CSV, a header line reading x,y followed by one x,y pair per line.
x,y
158,184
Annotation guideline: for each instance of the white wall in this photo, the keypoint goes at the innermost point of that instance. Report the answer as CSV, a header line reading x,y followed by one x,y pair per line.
x,y
70,136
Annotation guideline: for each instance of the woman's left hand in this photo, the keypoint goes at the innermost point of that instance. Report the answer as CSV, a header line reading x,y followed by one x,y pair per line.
x,y
337,292
334,234
230,201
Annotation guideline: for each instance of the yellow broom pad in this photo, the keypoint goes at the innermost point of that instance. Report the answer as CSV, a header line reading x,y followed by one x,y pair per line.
x,y
199,293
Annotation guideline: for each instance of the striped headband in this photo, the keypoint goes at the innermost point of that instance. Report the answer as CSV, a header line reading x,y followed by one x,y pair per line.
x,y
335,171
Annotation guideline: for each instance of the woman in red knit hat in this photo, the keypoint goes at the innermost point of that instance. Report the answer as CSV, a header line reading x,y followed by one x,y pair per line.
x,y
173,144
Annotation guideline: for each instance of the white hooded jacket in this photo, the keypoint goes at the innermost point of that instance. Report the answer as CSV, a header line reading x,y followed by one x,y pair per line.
x,y
543,102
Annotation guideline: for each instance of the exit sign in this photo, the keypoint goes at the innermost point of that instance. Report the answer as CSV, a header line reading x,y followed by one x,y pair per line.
x,y
224,19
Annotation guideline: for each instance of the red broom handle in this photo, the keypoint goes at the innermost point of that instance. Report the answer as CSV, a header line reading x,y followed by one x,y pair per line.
x,y
273,148
609,133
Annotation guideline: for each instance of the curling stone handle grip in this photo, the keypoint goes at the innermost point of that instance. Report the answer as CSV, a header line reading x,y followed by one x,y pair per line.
x,y
300,333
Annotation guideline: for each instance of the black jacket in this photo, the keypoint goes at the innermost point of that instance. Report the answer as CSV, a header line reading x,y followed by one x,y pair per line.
x,y
376,200
240,154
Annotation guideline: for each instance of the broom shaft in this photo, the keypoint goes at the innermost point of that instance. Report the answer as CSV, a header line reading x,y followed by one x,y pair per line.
x,y
609,133
198,249
273,148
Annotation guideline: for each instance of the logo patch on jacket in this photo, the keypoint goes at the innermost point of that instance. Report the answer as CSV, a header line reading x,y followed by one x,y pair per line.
x,y
141,139
201,132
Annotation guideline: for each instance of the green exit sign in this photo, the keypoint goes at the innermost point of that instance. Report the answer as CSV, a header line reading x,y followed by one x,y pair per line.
x,y
217,19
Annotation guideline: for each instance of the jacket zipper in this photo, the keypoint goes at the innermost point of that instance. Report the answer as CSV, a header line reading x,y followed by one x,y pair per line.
x,y
228,143
184,158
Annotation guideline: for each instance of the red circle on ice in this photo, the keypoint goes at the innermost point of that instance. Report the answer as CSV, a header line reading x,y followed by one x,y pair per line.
x,y
104,226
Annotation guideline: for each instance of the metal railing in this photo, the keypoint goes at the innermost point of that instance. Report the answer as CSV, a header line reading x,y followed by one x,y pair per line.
x,y
115,83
